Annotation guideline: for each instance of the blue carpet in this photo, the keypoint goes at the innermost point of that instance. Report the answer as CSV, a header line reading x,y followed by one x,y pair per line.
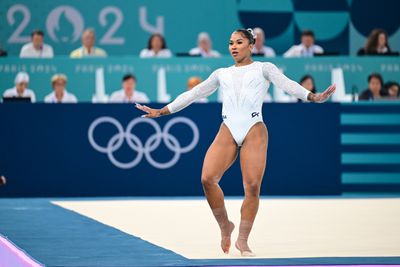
x,y
57,237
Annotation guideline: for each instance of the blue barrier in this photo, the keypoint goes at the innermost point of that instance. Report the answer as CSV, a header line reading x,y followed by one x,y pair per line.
x,y
108,150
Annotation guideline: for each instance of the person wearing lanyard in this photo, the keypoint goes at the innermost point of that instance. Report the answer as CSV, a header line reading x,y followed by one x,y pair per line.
x,y
307,48
36,48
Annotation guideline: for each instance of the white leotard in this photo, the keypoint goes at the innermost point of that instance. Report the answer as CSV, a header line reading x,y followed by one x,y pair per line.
x,y
243,90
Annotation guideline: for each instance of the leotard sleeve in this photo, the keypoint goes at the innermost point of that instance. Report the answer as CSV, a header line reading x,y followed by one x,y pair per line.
x,y
274,75
201,90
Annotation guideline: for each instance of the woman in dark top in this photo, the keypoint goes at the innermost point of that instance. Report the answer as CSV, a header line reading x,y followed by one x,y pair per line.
x,y
374,90
377,44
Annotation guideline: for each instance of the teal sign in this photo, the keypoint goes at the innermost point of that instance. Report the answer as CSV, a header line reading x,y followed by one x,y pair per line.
x,y
151,73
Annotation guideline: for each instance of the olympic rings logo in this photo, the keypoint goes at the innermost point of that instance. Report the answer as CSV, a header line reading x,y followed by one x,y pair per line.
x,y
150,145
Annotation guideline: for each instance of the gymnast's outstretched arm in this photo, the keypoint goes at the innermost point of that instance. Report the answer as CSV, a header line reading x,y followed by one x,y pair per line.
x,y
273,74
201,90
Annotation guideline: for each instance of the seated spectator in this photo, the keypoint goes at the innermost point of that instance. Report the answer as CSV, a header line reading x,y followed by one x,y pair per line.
x,y
88,49
391,90
204,47
191,83
128,93
307,81
156,47
259,48
376,44
307,48
60,93
21,88
36,48
374,90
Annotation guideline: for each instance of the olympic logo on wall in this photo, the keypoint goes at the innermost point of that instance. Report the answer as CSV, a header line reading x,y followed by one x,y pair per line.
x,y
150,145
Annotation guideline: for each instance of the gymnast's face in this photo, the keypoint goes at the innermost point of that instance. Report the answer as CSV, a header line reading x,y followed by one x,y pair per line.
x,y
239,47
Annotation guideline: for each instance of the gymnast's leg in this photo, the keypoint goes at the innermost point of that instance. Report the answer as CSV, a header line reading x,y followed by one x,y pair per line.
x,y
253,156
220,156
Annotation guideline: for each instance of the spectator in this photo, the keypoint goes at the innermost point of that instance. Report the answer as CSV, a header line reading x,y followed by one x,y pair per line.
x,y
21,88
156,47
376,44
128,93
259,47
307,48
374,90
88,49
36,48
391,90
307,81
191,83
204,47
60,93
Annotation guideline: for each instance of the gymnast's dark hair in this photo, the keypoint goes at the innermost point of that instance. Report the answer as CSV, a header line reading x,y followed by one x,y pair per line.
x,y
248,34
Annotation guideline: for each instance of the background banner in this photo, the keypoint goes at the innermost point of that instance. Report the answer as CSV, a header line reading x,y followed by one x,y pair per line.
x,y
108,150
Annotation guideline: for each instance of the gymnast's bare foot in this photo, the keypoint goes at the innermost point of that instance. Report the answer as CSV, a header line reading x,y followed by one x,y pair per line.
x,y
226,233
244,248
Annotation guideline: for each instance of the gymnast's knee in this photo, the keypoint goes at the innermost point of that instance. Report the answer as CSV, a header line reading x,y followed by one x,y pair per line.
x,y
209,180
252,189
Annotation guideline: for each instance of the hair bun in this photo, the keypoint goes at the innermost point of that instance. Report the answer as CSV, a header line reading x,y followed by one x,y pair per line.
x,y
250,30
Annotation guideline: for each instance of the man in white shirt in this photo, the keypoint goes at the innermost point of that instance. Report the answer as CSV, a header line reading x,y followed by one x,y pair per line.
x,y
59,94
204,47
128,93
259,48
88,49
36,48
21,88
307,48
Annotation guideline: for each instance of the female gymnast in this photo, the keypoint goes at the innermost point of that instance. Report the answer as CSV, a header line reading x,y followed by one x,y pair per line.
x,y
243,86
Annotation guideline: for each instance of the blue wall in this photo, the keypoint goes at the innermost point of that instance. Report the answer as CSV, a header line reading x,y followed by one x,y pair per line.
x,y
45,151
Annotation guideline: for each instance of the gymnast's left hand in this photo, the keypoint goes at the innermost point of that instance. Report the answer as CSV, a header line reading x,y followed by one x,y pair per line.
x,y
322,97
150,112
